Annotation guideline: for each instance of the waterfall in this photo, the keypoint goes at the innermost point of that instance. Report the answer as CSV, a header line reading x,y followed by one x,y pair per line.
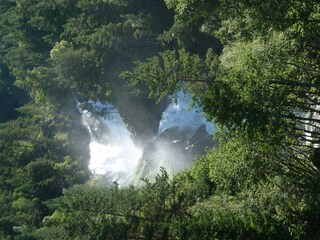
x,y
112,150
312,126
183,133
179,115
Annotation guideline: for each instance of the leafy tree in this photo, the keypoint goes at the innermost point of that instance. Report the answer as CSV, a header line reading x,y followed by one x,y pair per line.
x,y
261,88
99,212
38,160
261,83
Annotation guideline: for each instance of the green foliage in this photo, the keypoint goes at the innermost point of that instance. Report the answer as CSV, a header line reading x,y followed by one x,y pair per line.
x,y
261,89
73,45
262,81
190,17
37,162
100,212
56,51
172,71
232,159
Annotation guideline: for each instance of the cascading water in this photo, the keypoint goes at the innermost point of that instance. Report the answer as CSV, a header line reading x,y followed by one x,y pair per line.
x,y
183,133
179,115
112,150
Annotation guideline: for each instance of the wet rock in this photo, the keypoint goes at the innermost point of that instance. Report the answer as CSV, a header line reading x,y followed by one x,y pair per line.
x,y
174,149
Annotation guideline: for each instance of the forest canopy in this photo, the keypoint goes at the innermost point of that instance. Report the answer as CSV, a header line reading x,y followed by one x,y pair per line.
x,y
254,68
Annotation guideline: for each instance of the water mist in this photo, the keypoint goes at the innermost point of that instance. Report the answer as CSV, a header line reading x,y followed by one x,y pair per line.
x,y
183,134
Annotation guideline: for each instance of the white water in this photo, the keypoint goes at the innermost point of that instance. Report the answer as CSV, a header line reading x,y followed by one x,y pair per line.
x,y
179,115
112,150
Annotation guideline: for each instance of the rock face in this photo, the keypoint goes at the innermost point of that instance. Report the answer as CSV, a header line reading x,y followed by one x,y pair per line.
x,y
174,149
183,134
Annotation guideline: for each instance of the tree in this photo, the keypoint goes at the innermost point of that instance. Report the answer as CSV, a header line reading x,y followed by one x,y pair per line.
x,y
38,160
263,82
99,212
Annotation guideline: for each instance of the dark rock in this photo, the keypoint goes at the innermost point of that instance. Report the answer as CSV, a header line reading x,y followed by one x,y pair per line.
x,y
175,149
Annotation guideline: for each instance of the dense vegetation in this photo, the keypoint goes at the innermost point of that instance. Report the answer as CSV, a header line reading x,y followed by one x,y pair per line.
x,y
253,65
